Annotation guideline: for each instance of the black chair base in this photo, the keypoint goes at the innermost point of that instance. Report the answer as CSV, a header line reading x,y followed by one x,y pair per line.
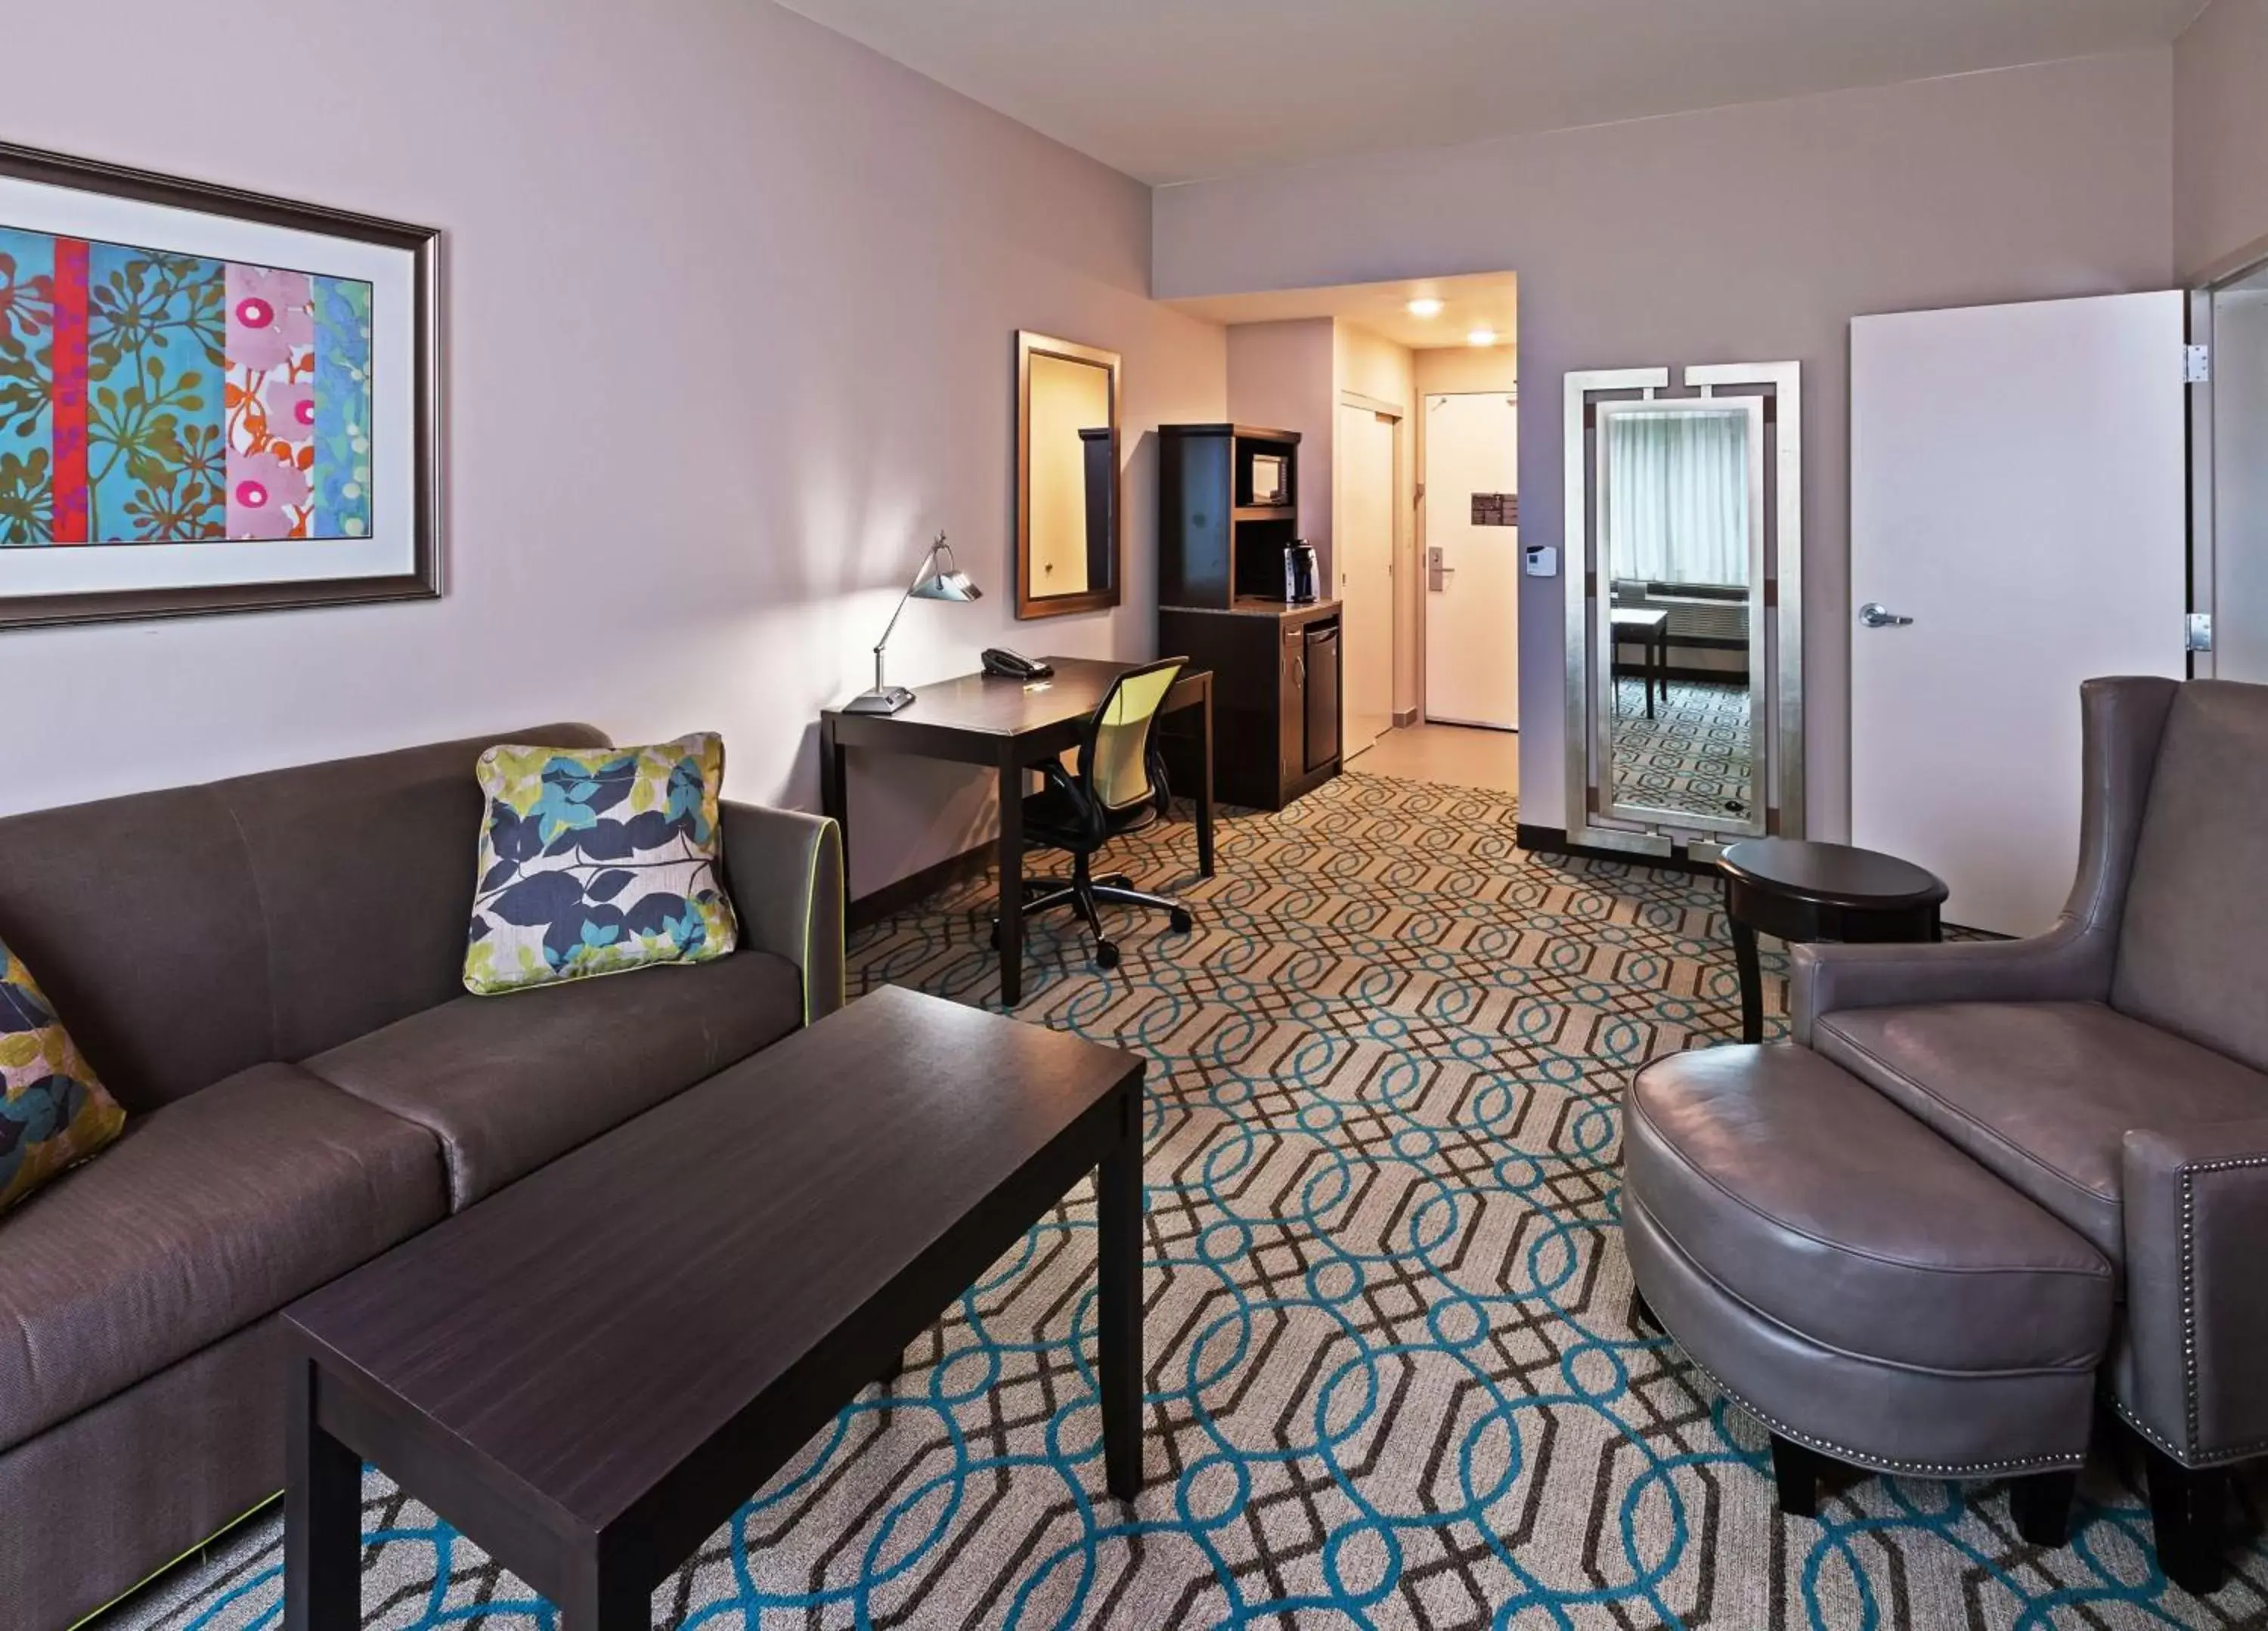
x,y
1085,894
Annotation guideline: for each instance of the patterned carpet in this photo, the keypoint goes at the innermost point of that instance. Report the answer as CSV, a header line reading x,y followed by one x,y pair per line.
x,y
1393,1378
1692,756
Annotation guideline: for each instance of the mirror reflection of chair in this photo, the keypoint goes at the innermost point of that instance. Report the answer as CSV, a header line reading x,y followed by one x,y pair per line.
x,y
1119,787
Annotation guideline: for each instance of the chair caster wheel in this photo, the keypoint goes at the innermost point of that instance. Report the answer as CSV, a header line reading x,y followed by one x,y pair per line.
x,y
1182,921
1105,955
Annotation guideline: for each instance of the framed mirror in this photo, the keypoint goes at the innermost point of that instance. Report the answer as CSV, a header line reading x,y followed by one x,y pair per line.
x,y
1685,607
1068,553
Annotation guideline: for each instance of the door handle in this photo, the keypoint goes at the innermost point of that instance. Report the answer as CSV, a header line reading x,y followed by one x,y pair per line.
x,y
1875,614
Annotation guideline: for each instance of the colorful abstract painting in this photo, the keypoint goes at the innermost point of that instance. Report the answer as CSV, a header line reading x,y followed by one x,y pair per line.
x,y
155,398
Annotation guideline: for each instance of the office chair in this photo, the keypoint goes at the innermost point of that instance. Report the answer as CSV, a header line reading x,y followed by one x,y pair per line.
x,y
1120,789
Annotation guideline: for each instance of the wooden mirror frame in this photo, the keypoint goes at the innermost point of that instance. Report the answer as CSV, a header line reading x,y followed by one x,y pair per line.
x,y
1090,600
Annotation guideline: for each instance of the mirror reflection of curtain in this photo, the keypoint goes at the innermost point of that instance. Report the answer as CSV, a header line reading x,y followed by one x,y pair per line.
x,y
1678,503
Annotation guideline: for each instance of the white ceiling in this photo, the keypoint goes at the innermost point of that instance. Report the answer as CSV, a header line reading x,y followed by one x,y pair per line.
x,y
1489,300
1176,90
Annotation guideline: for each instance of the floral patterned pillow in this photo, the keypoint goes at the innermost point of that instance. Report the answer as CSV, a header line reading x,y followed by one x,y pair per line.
x,y
593,861
52,1113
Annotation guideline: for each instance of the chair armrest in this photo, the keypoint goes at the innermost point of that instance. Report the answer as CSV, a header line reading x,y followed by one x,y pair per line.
x,y
784,871
2068,964
2196,1202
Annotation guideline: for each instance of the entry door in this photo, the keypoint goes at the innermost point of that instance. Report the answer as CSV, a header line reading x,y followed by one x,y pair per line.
x,y
2017,492
1472,560
1362,547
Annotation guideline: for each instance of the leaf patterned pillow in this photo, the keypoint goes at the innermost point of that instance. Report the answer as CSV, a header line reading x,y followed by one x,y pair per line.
x,y
52,1113
594,860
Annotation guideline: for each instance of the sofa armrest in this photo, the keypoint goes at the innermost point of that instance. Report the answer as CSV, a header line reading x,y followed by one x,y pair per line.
x,y
784,870
2195,1203
2068,964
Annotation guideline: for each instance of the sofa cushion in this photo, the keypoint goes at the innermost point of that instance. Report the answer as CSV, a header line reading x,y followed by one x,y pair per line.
x,y
1822,1206
2042,1092
53,1112
2193,944
510,1083
209,1212
592,863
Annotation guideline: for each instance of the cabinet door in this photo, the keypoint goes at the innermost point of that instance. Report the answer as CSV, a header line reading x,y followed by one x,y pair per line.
x,y
1322,669
1291,706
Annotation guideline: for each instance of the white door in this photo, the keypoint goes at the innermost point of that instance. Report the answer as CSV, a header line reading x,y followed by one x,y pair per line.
x,y
2240,472
1362,548
1472,562
2018,490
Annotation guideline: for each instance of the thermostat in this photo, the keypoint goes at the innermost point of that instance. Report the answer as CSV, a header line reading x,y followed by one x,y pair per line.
x,y
1543,560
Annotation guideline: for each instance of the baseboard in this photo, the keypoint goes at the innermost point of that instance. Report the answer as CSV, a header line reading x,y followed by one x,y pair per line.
x,y
916,887
1553,840
1404,716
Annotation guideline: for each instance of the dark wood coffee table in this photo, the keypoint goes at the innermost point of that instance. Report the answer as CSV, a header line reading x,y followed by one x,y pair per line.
x,y
1803,891
588,1372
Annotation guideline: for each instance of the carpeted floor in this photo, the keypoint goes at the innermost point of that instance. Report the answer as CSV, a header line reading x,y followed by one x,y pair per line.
x,y
1692,756
1394,1379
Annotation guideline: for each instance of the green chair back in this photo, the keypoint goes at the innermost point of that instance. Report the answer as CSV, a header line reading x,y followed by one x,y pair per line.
x,y
1114,756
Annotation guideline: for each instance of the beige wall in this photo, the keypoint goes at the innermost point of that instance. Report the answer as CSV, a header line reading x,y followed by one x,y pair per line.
x,y
1744,234
730,334
2220,137
1280,376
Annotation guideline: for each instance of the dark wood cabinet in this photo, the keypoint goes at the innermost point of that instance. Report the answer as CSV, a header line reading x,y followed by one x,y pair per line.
x,y
1276,675
1228,504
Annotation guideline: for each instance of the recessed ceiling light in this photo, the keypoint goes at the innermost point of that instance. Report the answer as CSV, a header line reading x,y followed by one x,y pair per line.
x,y
1481,336
1425,306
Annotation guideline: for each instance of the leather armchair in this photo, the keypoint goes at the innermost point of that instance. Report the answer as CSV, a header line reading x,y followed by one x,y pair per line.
x,y
2115,1068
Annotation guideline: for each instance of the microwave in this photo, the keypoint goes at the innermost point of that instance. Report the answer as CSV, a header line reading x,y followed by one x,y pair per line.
x,y
1271,479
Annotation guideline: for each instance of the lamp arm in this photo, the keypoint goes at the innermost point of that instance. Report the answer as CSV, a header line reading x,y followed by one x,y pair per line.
x,y
889,629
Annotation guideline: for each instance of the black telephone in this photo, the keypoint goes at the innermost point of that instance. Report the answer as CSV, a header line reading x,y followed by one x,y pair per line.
x,y
1014,666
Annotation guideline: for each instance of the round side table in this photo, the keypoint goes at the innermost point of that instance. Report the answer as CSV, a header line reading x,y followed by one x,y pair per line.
x,y
1798,890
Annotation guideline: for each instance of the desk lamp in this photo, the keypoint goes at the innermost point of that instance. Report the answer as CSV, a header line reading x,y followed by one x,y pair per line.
x,y
938,579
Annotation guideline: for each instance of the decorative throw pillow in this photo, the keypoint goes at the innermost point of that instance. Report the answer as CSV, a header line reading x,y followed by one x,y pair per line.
x,y
52,1113
593,861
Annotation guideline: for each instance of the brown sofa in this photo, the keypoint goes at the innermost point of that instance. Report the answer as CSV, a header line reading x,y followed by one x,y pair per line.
x,y
266,972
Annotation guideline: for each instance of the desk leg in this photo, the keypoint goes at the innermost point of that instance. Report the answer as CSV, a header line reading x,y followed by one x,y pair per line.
x,y
1653,668
322,1518
1204,785
1118,1370
1752,982
1012,883
835,790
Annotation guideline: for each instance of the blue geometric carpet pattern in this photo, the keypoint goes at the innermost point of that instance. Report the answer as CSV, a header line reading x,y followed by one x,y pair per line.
x,y
1394,1379
1693,756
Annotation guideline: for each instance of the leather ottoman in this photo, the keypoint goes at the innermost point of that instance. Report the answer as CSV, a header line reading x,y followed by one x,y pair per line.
x,y
1861,1288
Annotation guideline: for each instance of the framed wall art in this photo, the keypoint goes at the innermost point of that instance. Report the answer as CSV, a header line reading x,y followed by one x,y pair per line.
x,y
209,400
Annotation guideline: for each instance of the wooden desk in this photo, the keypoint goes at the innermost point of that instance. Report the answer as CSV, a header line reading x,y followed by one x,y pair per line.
x,y
1011,726
1651,629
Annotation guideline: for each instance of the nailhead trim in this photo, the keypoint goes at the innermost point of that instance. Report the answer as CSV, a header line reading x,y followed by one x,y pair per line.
x,y
1941,1469
2189,1308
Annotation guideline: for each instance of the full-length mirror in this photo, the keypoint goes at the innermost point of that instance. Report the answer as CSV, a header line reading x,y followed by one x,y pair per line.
x,y
1684,704
1067,512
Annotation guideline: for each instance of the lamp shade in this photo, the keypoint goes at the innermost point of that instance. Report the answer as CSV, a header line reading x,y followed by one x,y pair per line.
x,y
952,585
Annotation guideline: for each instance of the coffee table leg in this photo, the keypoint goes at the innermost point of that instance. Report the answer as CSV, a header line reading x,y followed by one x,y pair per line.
x,y
1118,1198
1752,982
322,1518
603,1598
